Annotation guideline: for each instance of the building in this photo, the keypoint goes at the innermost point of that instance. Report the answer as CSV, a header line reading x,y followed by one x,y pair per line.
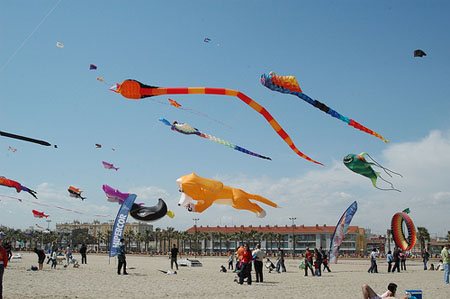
x,y
218,239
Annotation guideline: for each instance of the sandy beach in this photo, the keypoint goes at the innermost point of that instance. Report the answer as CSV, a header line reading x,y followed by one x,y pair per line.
x,y
98,279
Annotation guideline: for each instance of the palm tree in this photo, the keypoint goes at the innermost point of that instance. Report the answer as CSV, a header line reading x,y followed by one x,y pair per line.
x,y
422,235
157,235
227,238
448,236
170,234
204,236
389,234
147,235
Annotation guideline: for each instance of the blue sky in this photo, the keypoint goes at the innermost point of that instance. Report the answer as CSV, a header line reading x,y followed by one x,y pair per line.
x,y
354,56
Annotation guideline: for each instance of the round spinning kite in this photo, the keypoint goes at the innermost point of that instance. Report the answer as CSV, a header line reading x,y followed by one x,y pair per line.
x,y
403,242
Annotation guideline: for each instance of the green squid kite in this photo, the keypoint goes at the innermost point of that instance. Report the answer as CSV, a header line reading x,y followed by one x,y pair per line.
x,y
360,165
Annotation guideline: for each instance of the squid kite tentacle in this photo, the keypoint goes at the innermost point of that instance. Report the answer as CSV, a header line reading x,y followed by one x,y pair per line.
x,y
188,130
133,89
386,170
289,85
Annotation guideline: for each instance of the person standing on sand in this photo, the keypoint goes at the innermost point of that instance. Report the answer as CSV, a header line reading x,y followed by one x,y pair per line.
x,y
173,256
373,261
446,262
318,258
308,262
246,269
389,260
83,251
230,260
258,256
280,261
121,258
239,257
403,260
425,256
3,264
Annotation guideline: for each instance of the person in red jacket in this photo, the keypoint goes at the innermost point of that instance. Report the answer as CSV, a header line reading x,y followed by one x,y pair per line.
x,y
246,270
3,264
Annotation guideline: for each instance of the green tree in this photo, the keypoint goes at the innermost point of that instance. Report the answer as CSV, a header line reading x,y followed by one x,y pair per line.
x,y
424,236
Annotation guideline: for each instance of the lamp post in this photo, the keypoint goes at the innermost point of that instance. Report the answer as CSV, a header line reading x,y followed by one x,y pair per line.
x,y
48,224
293,236
196,236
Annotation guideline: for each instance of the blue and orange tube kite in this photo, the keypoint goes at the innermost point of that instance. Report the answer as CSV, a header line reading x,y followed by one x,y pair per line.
x,y
289,85
133,89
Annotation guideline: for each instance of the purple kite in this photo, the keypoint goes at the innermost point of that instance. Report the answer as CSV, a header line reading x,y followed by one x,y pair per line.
x,y
114,195
92,67
109,166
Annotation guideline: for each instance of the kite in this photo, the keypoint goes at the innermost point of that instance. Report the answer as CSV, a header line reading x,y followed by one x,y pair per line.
x,y
133,89
100,79
188,130
340,230
400,240
207,40
45,230
419,53
59,45
359,164
289,85
138,211
142,213
38,214
174,103
75,192
98,145
41,142
206,192
13,184
10,148
92,67
109,166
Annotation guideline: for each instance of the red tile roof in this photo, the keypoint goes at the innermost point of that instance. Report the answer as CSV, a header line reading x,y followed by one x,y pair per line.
x,y
271,229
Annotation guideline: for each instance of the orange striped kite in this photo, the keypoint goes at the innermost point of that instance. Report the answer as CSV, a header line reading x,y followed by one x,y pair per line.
x,y
133,89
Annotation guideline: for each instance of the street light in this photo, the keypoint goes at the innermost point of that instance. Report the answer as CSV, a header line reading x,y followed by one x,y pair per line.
x,y
48,225
196,236
293,236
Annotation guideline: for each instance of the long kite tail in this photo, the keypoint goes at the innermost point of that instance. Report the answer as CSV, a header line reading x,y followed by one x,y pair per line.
x,y
133,89
289,85
233,146
10,135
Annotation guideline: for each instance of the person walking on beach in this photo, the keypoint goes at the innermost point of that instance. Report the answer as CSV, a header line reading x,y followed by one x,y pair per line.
x,y
8,249
121,258
280,261
373,261
308,262
68,254
325,262
54,261
83,251
425,256
446,262
403,260
318,259
3,264
173,256
41,257
246,269
230,260
396,256
389,260
258,256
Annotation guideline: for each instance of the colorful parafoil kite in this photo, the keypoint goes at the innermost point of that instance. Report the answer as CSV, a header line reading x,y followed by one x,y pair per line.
x,y
97,145
75,192
340,230
12,149
207,40
92,67
41,142
207,192
138,211
133,89
174,103
109,166
188,130
13,184
38,214
359,164
289,85
403,242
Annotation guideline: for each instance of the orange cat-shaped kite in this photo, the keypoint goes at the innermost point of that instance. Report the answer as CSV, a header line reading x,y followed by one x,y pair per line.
x,y
206,192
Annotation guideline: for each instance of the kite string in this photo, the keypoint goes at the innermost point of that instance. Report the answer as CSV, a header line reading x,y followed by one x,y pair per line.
x,y
29,36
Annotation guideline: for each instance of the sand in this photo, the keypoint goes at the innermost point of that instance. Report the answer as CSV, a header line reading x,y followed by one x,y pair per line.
x,y
98,279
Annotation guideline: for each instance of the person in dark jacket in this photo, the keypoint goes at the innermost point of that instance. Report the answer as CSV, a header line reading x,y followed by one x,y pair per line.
x,y
121,258
41,257
246,269
83,251
3,264
396,260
